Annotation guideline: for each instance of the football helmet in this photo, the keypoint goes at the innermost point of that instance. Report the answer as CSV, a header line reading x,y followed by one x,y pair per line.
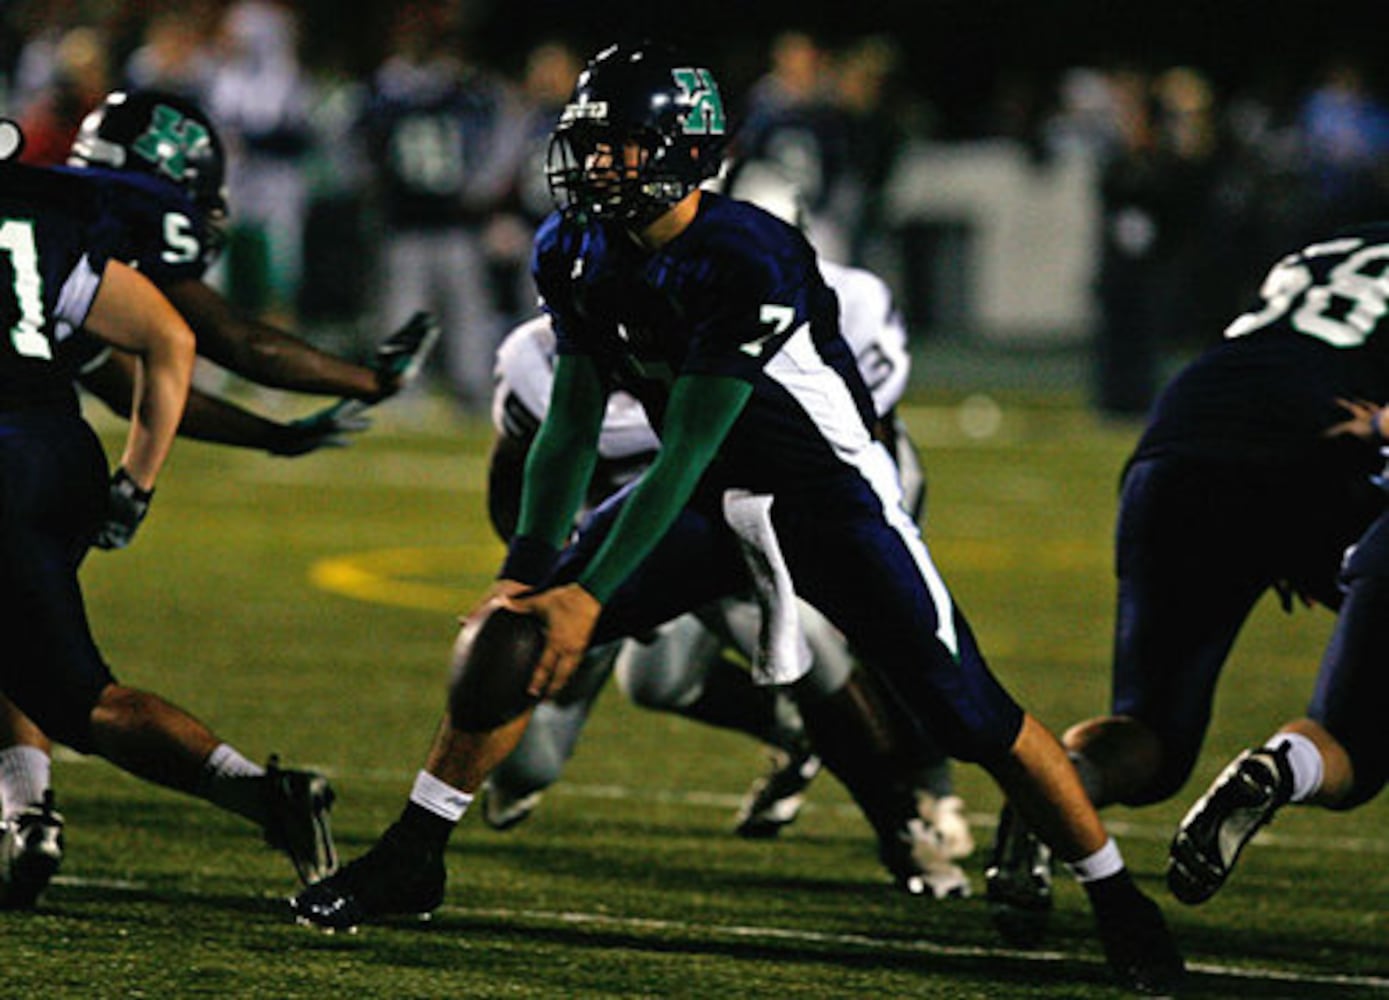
x,y
642,129
159,134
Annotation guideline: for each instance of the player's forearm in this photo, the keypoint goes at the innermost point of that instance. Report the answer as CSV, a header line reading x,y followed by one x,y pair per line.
x,y
162,390
264,353
558,468
701,412
217,421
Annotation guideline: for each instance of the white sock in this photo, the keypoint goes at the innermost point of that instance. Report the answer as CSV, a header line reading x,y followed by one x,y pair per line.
x,y
25,774
1103,863
1305,761
232,782
440,798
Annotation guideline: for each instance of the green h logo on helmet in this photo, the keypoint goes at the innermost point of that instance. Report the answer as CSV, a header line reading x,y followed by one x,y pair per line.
x,y
706,115
167,140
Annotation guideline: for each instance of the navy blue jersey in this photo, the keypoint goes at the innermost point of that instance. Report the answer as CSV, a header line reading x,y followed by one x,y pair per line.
x,y
1269,391
162,234
736,294
158,229
55,240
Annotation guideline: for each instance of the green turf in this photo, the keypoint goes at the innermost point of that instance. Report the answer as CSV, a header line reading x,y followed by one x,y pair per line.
x,y
626,882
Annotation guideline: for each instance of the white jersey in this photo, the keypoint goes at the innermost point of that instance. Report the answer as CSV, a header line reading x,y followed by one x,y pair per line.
x,y
525,369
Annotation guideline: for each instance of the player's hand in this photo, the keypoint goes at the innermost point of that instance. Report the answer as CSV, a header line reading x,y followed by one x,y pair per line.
x,y
329,427
126,506
569,613
401,355
1365,421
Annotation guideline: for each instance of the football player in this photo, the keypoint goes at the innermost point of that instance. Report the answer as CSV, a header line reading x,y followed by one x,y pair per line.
x,y
714,315
1251,476
61,244
160,165
694,665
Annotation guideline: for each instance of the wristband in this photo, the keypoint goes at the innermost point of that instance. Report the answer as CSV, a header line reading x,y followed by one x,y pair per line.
x,y
528,560
123,483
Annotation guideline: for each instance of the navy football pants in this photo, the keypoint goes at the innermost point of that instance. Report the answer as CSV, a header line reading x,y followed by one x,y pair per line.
x,y
861,573
1198,543
52,495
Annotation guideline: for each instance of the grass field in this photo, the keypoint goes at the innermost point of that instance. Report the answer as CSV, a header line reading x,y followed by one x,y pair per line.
x,y
306,607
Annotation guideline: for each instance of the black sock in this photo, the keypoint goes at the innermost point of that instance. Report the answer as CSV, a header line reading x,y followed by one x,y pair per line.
x,y
424,829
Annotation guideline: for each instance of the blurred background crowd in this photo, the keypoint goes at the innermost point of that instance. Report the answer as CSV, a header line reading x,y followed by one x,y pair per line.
x,y
388,156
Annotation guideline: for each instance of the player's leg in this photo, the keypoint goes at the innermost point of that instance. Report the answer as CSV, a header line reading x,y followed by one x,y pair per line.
x,y
694,563
513,789
31,830
899,616
1336,757
1178,612
688,667
59,679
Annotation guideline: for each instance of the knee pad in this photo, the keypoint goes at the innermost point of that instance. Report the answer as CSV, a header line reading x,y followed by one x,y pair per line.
x,y
492,665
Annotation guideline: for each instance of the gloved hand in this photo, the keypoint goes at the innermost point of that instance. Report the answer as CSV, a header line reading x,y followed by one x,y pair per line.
x,y
325,428
126,506
401,355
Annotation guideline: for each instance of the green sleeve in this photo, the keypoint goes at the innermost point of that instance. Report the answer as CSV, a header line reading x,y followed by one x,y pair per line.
x,y
559,467
702,409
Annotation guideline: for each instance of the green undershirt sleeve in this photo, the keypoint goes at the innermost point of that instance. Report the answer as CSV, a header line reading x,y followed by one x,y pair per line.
x,y
558,468
702,408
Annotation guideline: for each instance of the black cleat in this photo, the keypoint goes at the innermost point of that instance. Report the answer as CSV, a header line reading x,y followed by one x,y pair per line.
x,y
1240,802
774,800
398,876
1017,882
1135,937
31,849
297,821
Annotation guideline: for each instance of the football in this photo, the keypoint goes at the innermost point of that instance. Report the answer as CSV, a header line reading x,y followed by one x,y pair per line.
x,y
493,660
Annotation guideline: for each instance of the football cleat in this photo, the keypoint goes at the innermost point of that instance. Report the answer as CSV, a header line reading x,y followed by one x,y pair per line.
x,y
397,877
915,857
31,849
1017,882
501,812
775,799
297,806
1241,801
1137,942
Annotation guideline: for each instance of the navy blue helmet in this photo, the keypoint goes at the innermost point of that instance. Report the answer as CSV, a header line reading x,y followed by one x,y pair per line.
x,y
666,112
159,134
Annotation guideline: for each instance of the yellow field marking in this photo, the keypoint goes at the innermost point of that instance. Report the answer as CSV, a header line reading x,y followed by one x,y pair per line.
x,y
402,577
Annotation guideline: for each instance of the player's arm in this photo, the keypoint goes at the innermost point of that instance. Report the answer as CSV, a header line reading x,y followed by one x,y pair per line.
x,y
701,411
219,421
557,469
269,356
129,312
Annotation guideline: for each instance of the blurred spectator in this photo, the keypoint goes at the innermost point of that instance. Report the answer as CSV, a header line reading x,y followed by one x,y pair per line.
x,y
1155,195
1345,132
430,122
259,96
175,51
793,123
547,80
79,79
876,125
40,26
